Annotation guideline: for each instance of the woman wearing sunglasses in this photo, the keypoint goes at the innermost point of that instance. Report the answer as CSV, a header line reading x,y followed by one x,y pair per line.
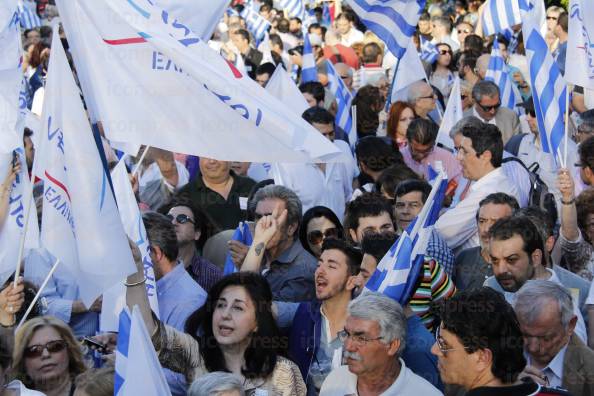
x,y
442,70
318,224
47,357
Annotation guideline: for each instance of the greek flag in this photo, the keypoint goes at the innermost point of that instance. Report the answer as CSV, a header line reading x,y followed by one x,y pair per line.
x,y
393,21
308,69
255,23
344,98
498,72
295,8
137,368
397,273
499,15
429,53
28,15
326,18
548,91
244,235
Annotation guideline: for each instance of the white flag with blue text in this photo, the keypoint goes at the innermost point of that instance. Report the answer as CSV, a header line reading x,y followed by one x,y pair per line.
x,y
579,65
202,16
80,224
10,36
137,367
168,89
114,300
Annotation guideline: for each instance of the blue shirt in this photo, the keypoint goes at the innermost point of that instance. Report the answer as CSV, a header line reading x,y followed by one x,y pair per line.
x,y
179,296
59,293
417,352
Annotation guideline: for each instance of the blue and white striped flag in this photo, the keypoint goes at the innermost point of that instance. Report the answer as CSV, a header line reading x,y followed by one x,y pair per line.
x,y
548,90
397,273
344,99
28,15
309,71
137,367
393,21
295,8
499,15
429,53
255,23
498,72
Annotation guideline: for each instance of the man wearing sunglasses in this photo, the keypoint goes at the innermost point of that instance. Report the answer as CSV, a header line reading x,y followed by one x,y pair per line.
x,y
487,107
479,346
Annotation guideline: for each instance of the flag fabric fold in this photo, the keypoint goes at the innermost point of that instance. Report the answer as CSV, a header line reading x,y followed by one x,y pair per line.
x,y
397,272
174,92
309,71
281,86
80,224
137,367
429,53
393,21
344,99
453,113
256,23
500,15
498,72
579,65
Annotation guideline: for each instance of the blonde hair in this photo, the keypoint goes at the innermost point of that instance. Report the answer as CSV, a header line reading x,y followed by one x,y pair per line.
x,y
25,333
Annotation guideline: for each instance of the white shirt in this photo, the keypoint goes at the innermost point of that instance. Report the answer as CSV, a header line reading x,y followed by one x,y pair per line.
x,y
332,188
154,173
352,37
22,390
476,114
341,382
458,226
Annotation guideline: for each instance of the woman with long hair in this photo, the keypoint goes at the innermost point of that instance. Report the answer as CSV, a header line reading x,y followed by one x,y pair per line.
x,y
400,117
442,71
318,223
234,331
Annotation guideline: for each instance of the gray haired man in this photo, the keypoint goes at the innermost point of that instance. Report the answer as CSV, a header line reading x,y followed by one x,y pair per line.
x,y
373,340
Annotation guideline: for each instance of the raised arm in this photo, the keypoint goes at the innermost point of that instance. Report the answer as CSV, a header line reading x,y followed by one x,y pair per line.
x,y
266,227
136,291
569,224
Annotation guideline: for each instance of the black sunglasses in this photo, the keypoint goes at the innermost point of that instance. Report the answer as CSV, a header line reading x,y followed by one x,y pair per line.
x,y
181,218
490,108
445,52
317,236
52,347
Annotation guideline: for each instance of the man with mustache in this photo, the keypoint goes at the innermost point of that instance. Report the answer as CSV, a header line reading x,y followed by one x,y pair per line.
x,y
374,337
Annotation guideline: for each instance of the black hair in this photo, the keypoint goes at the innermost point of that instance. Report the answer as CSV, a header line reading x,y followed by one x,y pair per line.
x,y
482,319
422,131
486,138
425,17
369,104
266,343
315,89
474,42
283,25
27,132
353,254
296,19
377,245
544,221
319,115
498,199
410,185
346,15
469,59
506,228
244,33
391,177
161,233
266,68
275,39
203,222
366,205
586,152
376,153
314,213
370,52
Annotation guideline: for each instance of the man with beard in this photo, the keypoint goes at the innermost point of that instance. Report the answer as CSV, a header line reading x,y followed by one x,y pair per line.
x,y
517,255
314,326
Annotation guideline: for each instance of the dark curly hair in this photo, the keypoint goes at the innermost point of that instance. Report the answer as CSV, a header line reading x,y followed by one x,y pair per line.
x,y
482,319
584,204
366,205
266,342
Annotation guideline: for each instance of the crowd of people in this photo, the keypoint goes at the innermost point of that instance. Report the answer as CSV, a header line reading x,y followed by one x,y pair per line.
x,y
503,303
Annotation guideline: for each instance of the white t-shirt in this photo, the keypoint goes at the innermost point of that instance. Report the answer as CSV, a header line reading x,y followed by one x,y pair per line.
x,y
341,382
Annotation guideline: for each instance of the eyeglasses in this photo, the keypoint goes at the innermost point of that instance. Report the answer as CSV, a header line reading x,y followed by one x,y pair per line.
x,y
551,18
358,339
315,237
490,108
445,52
443,348
181,218
579,165
35,351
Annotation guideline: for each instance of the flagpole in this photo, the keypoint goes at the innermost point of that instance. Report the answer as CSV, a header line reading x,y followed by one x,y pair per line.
x,y
564,164
22,241
137,167
46,280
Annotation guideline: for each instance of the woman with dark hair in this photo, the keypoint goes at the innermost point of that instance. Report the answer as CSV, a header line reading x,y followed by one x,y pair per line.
x,y
318,224
442,71
400,117
234,331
